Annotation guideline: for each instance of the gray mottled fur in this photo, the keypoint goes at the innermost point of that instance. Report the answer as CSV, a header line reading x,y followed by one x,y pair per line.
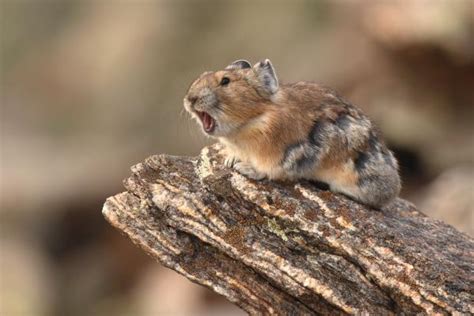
x,y
376,166
379,181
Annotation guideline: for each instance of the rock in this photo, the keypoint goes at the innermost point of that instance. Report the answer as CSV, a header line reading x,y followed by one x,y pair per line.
x,y
290,248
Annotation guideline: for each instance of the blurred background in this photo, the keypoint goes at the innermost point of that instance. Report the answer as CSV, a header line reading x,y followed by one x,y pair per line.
x,y
89,88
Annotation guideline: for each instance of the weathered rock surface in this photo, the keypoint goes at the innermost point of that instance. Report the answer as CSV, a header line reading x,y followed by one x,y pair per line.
x,y
286,248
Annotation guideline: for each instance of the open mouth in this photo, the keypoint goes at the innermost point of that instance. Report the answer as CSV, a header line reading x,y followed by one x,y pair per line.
x,y
208,123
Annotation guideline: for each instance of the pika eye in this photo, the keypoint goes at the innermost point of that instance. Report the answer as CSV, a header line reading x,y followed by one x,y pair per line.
x,y
225,81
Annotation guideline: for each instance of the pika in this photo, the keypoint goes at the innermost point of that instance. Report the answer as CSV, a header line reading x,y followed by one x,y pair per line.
x,y
293,131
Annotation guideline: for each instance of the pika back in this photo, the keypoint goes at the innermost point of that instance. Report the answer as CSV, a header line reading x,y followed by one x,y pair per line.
x,y
293,131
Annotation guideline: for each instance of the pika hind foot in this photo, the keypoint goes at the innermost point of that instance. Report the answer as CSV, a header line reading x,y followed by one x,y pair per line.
x,y
247,170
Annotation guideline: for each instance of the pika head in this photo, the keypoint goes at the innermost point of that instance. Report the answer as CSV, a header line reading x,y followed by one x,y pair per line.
x,y
225,101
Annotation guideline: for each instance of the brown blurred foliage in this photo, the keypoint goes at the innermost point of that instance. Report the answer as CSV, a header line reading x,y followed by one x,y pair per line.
x,y
88,88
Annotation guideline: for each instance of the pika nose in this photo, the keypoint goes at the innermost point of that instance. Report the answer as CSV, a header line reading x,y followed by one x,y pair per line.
x,y
192,99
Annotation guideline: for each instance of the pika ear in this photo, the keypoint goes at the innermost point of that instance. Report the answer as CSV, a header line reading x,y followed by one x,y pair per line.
x,y
267,76
239,64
